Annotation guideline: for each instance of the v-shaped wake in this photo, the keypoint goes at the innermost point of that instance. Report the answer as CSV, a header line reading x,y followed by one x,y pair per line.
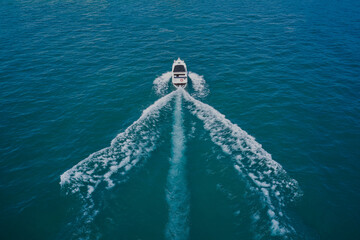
x,y
264,176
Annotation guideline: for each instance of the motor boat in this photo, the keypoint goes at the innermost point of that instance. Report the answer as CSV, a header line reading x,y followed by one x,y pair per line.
x,y
179,73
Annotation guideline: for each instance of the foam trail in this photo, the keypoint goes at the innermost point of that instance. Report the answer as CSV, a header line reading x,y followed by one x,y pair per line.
x,y
199,85
161,84
264,176
126,149
177,194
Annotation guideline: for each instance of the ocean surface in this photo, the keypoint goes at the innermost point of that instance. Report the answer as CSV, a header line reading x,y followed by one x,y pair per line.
x,y
95,142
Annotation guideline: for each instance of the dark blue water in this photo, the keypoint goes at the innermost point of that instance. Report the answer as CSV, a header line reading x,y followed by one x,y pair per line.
x,y
75,77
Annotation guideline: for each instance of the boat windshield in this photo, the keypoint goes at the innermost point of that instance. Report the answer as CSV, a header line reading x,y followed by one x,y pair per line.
x,y
179,68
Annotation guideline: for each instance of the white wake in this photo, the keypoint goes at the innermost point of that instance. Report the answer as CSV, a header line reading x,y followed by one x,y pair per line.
x,y
161,84
264,176
177,196
125,151
199,85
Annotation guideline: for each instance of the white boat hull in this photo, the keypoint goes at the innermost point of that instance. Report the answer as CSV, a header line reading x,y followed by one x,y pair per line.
x,y
179,74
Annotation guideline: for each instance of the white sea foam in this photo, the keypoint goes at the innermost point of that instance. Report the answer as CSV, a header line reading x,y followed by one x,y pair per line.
x,y
125,151
199,85
264,176
177,197
137,141
161,84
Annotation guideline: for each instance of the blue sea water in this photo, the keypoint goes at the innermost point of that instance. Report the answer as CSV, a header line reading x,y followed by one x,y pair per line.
x,y
95,143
